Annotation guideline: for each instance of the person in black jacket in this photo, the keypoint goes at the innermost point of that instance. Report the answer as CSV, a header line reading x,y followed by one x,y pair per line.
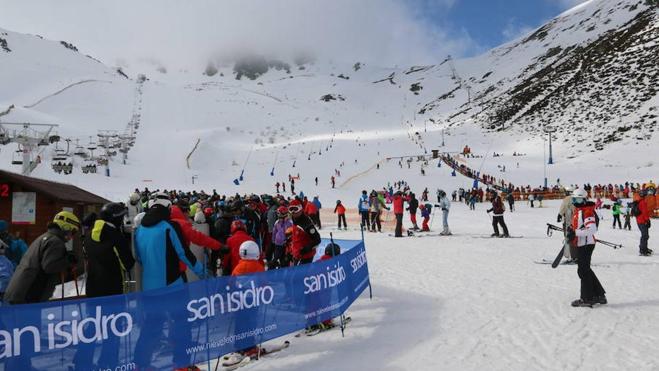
x,y
109,257
413,205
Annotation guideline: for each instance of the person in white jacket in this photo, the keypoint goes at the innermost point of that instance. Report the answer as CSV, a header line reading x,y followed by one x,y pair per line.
x,y
445,205
581,234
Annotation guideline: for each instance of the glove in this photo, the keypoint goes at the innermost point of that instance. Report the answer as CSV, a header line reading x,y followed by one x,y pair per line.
x,y
444,209
559,218
570,233
489,211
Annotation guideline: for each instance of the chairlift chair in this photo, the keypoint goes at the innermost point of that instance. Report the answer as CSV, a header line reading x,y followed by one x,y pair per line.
x,y
16,160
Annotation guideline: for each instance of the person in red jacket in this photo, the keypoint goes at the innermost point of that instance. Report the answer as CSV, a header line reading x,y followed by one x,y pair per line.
x,y
312,211
398,212
643,222
305,237
238,236
340,210
191,235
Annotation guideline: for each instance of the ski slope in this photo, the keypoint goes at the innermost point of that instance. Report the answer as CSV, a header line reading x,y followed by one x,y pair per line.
x,y
469,303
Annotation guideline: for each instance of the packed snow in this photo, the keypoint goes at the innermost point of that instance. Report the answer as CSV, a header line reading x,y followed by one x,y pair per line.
x,y
462,302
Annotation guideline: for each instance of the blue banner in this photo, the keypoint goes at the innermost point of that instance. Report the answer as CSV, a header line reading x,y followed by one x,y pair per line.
x,y
182,325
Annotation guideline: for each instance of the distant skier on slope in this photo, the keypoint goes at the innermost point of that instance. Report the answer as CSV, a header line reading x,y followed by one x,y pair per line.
x,y
581,233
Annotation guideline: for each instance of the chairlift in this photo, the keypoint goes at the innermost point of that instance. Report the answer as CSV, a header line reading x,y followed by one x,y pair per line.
x,y
54,138
80,151
16,159
92,146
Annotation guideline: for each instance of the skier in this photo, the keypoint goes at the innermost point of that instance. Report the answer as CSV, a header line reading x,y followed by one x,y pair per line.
x,y
398,212
628,216
316,180
6,271
319,206
511,201
246,319
413,204
445,205
498,209
45,262
581,233
363,206
375,208
277,185
615,211
305,237
565,213
425,214
109,257
333,181
15,247
238,236
642,213
279,237
340,210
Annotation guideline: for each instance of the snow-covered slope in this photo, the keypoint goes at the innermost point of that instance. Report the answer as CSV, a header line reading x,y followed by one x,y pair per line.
x,y
313,118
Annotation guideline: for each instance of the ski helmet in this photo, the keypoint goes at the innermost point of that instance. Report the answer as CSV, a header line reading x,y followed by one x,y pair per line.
x,y
579,196
67,221
249,250
134,197
160,198
282,212
332,249
237,225
113,212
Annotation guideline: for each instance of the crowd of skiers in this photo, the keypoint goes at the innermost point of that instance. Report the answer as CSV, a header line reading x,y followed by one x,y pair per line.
x,y
177,237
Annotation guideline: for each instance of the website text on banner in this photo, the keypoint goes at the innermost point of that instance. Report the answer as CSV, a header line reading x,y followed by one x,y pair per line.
x,y
183,325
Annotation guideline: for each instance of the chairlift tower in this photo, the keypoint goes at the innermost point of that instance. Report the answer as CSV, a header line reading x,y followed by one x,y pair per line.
x,y
550,130
29,137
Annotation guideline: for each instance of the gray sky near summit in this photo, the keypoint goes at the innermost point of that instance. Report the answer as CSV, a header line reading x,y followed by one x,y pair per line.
x,y
186,33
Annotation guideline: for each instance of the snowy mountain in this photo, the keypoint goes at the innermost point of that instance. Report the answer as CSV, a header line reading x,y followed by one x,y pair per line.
x,y
591,73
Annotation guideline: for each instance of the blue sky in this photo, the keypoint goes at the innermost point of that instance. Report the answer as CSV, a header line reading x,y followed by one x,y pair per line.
x,y
489,23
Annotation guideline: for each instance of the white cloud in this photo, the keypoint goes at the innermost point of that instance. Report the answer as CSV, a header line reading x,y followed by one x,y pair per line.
x,y
567,4
384,32
514,30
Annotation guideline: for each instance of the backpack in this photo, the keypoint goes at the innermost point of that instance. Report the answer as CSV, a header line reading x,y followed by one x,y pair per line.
x,y
428,207
636,210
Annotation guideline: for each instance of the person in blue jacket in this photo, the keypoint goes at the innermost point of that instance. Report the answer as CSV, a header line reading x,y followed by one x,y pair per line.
x,y
363,206
6,271
15,248
159,250
318,205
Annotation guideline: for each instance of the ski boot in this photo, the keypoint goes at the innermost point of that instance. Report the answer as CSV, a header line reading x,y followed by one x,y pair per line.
x,y
494,235
646,252
600,299
583,303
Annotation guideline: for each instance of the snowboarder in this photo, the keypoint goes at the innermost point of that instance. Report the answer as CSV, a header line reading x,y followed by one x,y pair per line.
x,y
581,233
498,209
